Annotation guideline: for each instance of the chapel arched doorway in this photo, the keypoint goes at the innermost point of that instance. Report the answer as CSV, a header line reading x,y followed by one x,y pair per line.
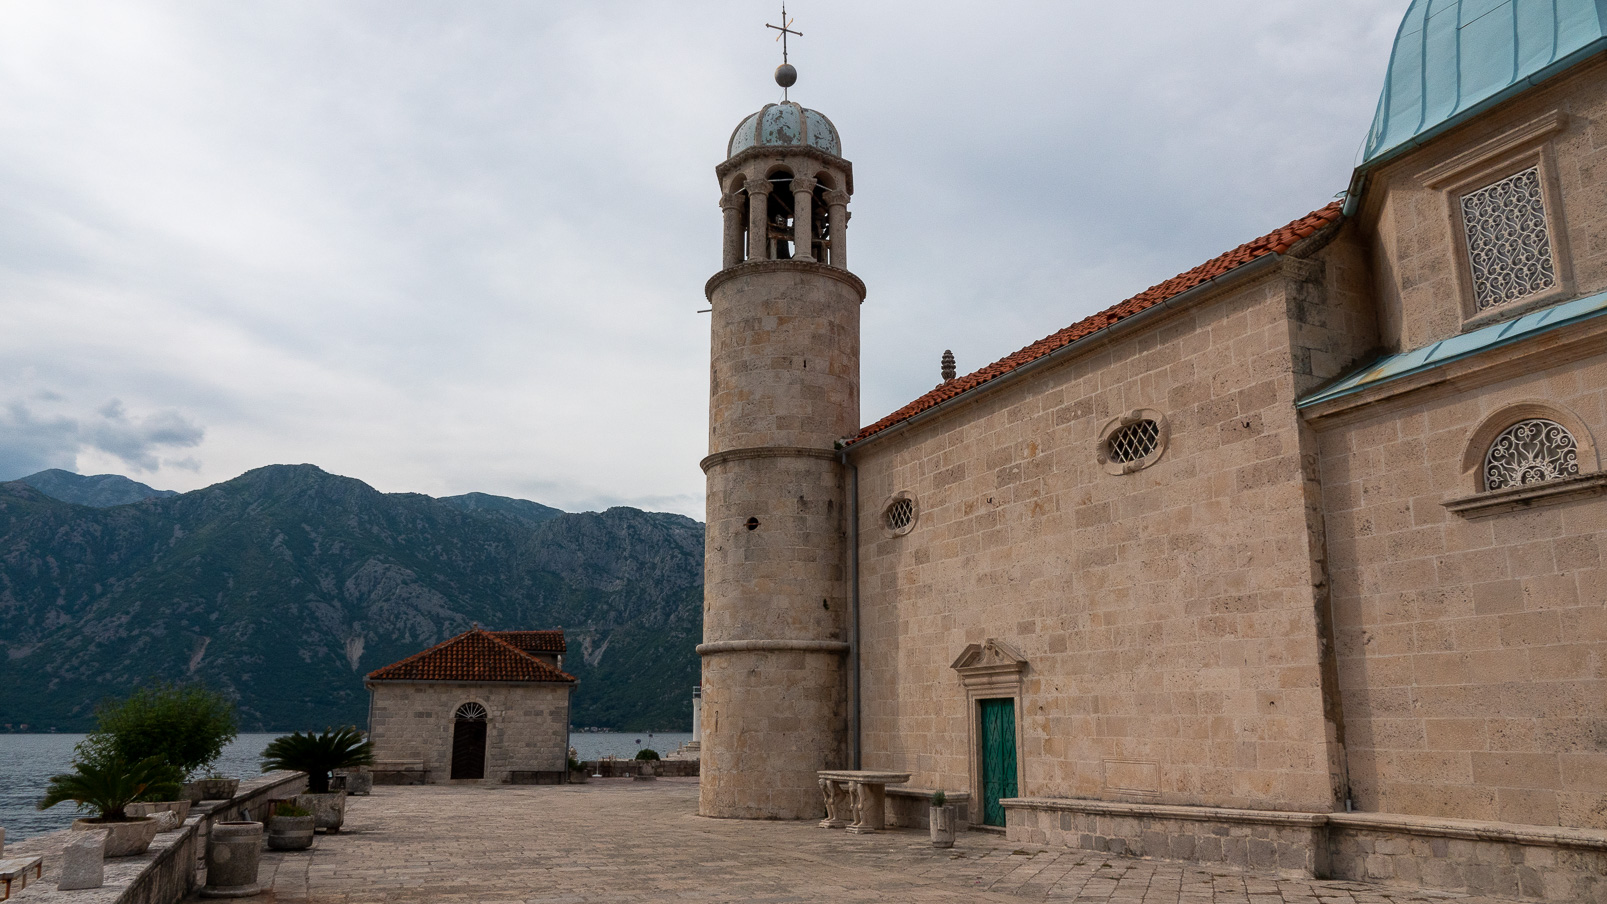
x,y
468,741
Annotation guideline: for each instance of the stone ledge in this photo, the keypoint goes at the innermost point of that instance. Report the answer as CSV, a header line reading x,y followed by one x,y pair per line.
x,y
1168,811
771,646
1474,830
1513,498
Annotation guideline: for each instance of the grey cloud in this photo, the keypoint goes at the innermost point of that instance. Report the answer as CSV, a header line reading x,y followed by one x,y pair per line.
x,y
31,442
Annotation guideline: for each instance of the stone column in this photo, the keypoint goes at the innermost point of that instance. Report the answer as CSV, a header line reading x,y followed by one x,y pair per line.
x,y
803,232
758,220
837,206
731,206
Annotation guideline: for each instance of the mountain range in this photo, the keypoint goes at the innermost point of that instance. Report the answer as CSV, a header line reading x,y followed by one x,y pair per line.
x,y
283,587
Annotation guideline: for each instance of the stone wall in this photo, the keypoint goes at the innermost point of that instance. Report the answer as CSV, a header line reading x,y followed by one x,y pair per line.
x,y
527,725
1472,647
1455,855
1168,616
1416,244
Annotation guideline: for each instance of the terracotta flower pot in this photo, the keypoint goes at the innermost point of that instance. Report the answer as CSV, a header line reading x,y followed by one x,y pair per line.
x,y
124,838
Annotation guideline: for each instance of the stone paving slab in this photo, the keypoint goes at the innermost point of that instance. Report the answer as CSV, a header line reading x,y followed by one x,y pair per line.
x,y
618,840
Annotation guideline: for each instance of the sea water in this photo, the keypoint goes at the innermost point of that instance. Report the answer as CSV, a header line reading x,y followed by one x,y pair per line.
x,y
27,761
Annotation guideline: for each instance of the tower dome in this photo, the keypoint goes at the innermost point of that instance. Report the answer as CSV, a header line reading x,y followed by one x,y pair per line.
x,y
785,125
1453,58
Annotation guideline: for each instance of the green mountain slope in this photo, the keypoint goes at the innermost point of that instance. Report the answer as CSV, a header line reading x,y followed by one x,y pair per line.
x,y
98,490
286,585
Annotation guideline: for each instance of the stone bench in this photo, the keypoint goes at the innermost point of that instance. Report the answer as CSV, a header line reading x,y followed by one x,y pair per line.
x,y
862,792
399,772
911,807
15,872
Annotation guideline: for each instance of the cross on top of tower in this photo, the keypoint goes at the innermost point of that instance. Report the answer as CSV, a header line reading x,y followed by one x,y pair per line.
x,y
786,76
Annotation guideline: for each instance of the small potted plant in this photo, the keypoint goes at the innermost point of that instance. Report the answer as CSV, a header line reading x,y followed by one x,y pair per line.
x,y
319,755
291,828
941,820
577,771
106,785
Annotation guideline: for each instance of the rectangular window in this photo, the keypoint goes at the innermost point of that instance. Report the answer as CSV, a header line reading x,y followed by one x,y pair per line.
x,y
1509,249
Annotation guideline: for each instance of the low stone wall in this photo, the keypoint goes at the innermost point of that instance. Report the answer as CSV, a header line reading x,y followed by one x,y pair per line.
x,y
1535,863
170,870
912,807
1291,844
628,768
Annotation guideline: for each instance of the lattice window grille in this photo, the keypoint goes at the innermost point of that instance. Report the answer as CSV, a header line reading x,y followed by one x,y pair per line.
x,y
1133,442
470,712
900,514
1531,451
1509,249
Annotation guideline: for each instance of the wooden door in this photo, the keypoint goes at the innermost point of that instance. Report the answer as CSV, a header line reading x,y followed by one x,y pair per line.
x,y
998,735
468,748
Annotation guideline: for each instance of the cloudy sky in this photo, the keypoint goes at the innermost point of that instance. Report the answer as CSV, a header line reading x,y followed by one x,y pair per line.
x,y
447,246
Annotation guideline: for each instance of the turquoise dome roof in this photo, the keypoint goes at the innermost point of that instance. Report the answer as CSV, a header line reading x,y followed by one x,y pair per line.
x,y
787,125
1452,58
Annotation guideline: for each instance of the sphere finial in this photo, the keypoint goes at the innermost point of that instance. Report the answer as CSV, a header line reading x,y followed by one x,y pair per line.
x,y
786,75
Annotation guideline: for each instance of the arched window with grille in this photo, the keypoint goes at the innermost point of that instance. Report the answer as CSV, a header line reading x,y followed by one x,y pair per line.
x,y
1533,450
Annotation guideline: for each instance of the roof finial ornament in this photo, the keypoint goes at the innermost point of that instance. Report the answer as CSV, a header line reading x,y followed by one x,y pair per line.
x,y
786,76
948,366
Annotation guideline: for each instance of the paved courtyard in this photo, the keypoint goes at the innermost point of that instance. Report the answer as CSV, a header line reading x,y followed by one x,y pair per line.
x,y
618,840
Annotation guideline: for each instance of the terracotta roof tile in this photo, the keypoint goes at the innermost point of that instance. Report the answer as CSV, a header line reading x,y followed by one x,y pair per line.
x,y
1276,242
475,655
535,641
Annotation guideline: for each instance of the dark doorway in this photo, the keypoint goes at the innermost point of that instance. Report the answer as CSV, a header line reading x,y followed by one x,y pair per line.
x,y
468,741
998,734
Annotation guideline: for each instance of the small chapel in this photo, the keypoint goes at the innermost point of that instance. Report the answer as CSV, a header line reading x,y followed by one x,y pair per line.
x,y
1295,561
488,707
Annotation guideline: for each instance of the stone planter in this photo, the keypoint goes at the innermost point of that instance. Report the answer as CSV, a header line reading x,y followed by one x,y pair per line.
x,y
232,852
211,789
291,833
151,808
942,825
361,782
328,810
123,839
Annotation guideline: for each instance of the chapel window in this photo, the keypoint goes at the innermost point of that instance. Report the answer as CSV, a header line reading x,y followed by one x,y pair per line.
x,y
1133,442
470,712
899,515
1531,451
1509,249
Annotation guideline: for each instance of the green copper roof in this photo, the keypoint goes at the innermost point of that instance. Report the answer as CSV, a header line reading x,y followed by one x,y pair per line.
x,y
1455,57
1393,367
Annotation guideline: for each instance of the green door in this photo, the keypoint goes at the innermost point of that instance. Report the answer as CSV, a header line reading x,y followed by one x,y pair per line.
x,y
998,757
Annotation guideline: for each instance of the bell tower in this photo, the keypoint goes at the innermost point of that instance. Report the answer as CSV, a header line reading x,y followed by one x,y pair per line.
x,y
783,388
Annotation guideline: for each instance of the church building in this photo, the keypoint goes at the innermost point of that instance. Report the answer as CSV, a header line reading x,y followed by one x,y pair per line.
x,y
484,706
1295,561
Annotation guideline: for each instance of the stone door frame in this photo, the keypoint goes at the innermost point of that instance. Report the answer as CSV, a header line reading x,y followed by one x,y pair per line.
x,y
992,670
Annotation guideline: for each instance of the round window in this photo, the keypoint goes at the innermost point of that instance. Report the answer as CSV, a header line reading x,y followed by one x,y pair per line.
x,y
1135,440
899,515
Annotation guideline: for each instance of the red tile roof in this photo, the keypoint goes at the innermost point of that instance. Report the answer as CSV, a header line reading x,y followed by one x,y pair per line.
x,y
535,641
474,655
1276,242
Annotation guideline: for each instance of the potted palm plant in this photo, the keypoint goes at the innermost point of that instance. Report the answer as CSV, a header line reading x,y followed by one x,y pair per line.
x,y
941,820
106,785
318,755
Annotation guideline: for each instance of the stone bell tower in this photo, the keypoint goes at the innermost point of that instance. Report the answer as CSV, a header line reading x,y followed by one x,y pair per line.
x,y
783,388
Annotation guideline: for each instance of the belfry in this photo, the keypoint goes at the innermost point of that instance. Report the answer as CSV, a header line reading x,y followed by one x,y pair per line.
x,y
783,391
